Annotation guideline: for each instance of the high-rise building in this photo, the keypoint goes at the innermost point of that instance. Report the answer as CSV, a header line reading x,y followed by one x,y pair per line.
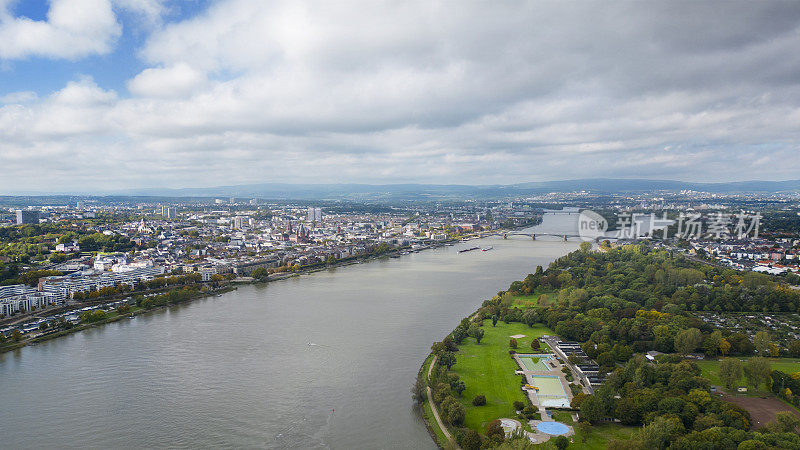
x,y
27,217
233,200
254,201
80,205
167,212
315,214
239,222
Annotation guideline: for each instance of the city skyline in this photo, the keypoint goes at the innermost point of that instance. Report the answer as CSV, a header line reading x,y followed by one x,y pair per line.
x,y
127,94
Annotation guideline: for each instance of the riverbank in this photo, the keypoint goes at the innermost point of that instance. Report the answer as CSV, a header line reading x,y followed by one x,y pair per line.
x,y
237,370
110,317
9,345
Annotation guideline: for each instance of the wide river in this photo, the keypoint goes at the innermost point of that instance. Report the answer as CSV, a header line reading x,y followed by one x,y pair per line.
x,y
324,360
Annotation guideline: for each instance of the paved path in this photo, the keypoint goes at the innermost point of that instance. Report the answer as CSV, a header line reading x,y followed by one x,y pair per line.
x,y
433,405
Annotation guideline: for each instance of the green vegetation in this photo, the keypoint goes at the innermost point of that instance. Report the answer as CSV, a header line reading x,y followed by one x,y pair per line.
x,y
711,369
616,303
487,369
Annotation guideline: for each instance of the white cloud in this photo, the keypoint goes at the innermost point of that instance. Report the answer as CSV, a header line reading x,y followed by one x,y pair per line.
x,y
178,80
151,10
19,97
448,92
73,29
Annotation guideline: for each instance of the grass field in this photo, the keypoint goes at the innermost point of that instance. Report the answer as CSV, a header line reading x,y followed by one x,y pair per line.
x,y
598,436
710,369
538,298
488,369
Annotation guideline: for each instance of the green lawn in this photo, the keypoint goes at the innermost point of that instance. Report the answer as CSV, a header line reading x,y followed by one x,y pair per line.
x,y
539,297
598,436
488,369
710,369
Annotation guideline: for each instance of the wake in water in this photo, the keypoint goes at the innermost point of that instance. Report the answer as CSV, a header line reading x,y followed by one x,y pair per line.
x,y
295,435
323,431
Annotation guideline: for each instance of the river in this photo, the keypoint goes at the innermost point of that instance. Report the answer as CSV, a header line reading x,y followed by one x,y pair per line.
x,y
238,371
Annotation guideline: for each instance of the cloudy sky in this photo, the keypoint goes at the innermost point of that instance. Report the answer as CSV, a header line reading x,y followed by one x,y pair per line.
x,y
113,94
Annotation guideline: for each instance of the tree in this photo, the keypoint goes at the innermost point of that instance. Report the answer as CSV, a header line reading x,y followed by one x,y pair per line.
x,y
761,341
712,343
419,390
479,400
730,372
459,387
479,335
785,422
687,341
535,344
530,317
585,247
752,444
471,441
447,359
774,351
794,348
16,335
584,428
757,371
512,343
494,320
495,431
592,409
658,433
561,442
260,273
605,359
456,414
724,347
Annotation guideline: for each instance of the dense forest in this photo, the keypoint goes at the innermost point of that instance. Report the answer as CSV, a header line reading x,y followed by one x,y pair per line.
x,y
621,302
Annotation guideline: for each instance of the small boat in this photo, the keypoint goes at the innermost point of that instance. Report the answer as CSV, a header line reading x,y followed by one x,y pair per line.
x,y
486,249
468,249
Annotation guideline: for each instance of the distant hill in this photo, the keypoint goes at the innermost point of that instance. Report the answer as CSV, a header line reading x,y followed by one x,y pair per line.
x,y
430,191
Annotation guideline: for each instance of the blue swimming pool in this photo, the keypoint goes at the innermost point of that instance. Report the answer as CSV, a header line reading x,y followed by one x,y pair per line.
x,y
552,428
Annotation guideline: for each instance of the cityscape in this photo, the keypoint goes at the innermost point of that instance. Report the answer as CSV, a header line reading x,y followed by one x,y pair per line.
x,y
399,225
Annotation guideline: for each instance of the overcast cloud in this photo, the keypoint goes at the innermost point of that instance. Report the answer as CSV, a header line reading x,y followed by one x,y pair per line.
x,y
383,92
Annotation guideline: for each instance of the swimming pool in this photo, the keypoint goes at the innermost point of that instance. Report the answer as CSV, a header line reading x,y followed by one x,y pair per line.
x,y
552,428
534,362
551,392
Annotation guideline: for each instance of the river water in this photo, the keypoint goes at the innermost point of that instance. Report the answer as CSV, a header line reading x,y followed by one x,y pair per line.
x,y
238,371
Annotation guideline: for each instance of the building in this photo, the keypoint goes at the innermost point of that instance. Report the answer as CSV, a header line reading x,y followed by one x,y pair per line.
x,y
80,206
240,222
245,268
65,286
20,297
315,214
27,217
167,212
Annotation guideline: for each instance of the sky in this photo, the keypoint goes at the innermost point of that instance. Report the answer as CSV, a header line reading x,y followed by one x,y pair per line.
x,y
117,94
